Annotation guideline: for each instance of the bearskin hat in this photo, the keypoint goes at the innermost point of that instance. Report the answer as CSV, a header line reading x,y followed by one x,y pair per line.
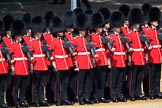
x,y
154,14
125,9
106,14
81,22
77,11
135,16
116,19
17,28
68,19
27,19
57,25
48,18
97,20
146,8
38,24
7,20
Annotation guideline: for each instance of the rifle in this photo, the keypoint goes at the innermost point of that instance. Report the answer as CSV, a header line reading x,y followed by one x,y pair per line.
x,y
26,50
125,41
144,39
91,49
46,50
67,45
106,41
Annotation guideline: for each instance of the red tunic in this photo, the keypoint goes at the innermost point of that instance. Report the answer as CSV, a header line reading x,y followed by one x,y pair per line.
x,y
3,63
48,37
83,58
21,61
60,54
137,56
8,42
28,40
126,30
154,55
40,58
118,57
102,59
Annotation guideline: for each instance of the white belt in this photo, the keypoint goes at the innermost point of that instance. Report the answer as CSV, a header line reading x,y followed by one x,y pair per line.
x,y
61,56
83,53
100,49
39,55
2,59
119,53
20,58
156,46
138,49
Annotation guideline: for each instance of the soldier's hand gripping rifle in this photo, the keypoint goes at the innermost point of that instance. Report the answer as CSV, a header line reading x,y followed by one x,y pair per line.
x,y
46,50
5,52
67,45
125,41
91,48
26,50
105,40
144,39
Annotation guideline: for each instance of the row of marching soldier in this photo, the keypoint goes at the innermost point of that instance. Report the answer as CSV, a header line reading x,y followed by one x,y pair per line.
x,y
86,56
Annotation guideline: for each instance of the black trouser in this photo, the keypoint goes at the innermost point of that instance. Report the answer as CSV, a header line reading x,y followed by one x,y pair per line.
x,y
3,80
84,84
154,79
50,85
29,90
136,77
72,89
40,82
10,85
100,76
146,80
85,2
21,83
62,81
117,76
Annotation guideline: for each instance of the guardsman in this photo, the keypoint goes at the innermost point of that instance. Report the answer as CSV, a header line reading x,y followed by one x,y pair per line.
x,y
62,66
69,35
27,39
40,68
137,54
19,59
154,54
48,38
83,59
125,9
106,32
3,69
7,20
102,59
145,8
118,63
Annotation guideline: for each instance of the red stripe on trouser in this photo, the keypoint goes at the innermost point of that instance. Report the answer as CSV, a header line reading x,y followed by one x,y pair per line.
x,y
111,83
130,85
